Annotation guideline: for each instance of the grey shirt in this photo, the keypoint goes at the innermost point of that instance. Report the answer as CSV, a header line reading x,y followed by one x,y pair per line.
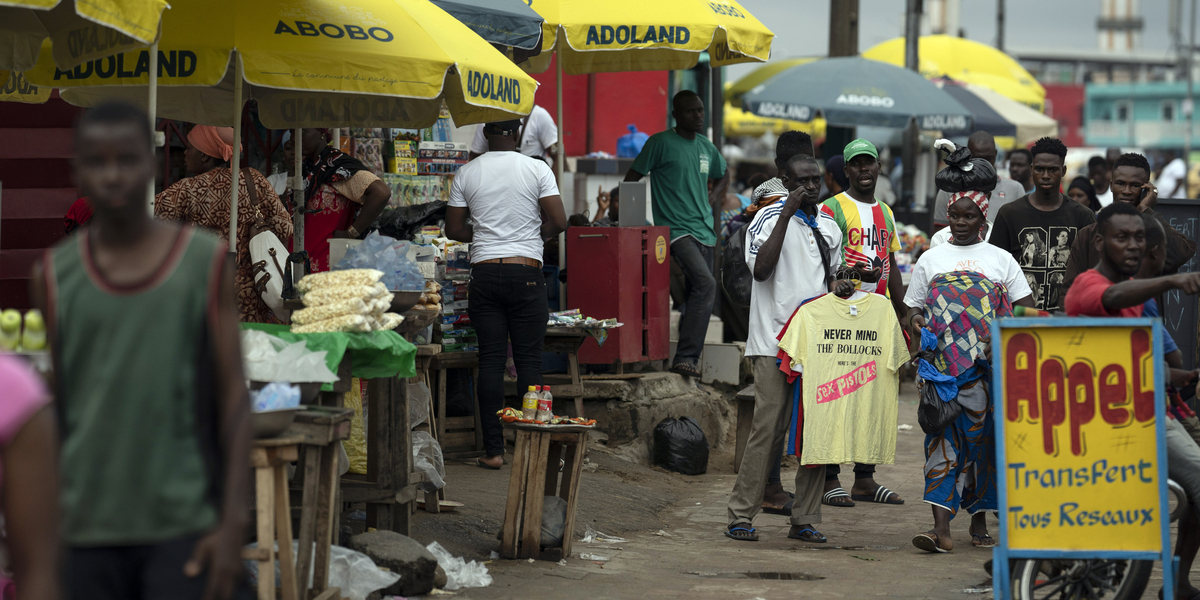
x,y
1006,191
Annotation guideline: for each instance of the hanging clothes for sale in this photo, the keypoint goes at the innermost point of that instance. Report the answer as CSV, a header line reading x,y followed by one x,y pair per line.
x,y
850,351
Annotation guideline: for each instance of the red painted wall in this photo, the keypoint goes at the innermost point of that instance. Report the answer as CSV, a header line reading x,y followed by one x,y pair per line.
x,y
36,143
1064,103
617,99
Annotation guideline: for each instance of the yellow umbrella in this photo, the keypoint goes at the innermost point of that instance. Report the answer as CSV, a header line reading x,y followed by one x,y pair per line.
x,y
635,35
740,122
309,63
363,63
82,30
14,88
967,61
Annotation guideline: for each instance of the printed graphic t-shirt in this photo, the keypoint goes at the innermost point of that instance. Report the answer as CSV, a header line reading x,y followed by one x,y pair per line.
x,y
679,171
868,235
1041,241
851,352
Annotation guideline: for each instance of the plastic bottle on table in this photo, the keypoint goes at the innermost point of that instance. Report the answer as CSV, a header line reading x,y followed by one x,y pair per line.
x,y
529,404
545,410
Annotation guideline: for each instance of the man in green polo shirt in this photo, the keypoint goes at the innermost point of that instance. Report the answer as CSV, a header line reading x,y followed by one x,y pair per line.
x,y
681,162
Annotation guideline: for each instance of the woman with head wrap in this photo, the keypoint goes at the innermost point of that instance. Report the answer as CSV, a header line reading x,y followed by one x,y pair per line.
x,y
1082,191
204,199
956,290
341,197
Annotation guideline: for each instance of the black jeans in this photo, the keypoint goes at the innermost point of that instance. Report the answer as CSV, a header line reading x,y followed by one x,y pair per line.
x,y
696,261
149,572
861,471
506,303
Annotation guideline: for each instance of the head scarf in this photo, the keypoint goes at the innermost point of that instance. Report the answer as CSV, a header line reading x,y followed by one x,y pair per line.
x,y
216,142
330,166
979,198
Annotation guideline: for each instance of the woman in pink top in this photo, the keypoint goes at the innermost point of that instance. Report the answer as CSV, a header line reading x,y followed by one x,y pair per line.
x,y
28,483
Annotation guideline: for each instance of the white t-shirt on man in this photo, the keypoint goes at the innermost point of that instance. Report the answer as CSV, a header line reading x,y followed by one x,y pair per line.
x,y
1173,175
1105,198
799,274
983,258
540,134
501,190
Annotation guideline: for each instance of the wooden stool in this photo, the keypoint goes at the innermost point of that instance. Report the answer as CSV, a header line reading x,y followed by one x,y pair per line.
x,y
460,437
319,429
273,514
745,418
534,476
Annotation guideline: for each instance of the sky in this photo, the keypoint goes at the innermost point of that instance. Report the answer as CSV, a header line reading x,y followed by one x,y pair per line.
x,y
1040,24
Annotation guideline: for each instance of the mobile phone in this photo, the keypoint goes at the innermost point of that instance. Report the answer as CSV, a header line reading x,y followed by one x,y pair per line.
x,y
1142,196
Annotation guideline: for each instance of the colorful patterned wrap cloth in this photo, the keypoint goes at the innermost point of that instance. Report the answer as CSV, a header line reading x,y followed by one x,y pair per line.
x,y
959,311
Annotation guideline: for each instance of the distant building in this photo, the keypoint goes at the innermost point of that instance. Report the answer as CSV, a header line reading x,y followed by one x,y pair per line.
x,y
1147,114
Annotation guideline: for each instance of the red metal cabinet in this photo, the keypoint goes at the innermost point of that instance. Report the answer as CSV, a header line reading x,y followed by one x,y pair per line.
x,y
622,273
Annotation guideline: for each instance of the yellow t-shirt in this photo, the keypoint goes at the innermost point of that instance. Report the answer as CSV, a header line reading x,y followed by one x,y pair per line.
x,y
850,351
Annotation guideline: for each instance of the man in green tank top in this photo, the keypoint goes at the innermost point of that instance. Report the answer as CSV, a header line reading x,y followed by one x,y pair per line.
x,y
152,407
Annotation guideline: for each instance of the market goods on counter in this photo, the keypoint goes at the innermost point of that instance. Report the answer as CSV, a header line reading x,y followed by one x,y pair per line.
x,y
322,312
346,323
545,411
268,358
344,277
340,293
10,329
390,321
512,415
529,404
34,336
388,256
276,395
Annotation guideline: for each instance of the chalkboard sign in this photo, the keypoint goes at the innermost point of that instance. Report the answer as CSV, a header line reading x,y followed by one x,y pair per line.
x,y
1179,311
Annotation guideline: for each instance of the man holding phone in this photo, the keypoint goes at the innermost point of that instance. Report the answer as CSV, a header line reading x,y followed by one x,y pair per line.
x,y
1131,185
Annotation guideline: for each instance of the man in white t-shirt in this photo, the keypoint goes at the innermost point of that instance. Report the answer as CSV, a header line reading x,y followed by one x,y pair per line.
x,y
497,203
982,145
1172,183
539,137
793,251
1100,174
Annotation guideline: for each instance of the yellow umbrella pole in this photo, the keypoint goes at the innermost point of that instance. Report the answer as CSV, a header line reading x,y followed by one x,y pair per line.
x,y
298,187
152,109
234,166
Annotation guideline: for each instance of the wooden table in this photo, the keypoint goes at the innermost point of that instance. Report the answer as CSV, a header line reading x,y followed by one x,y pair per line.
x,y
460,437
566,340
313,440
534,476
390,483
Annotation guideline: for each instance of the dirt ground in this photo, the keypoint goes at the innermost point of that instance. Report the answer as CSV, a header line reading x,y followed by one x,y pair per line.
x,y
674,545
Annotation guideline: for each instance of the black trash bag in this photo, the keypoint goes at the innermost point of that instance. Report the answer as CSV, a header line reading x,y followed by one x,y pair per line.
x,y
736,278
963,173
680,445
403,223
934,415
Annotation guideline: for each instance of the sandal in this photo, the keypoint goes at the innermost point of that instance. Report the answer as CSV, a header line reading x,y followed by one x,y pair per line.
x,y
479,463
809,535
743,534
983,541
929,542
683,368
785,511
882,495
831,498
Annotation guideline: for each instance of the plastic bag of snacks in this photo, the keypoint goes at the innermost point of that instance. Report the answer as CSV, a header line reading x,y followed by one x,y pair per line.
x,y
312,314
349,323
327,279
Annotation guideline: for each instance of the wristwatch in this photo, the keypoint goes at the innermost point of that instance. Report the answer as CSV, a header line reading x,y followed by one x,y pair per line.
x,y
353,232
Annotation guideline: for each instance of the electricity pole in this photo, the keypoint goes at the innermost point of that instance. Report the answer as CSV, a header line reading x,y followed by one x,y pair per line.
x,y
843,41
1000,25
912,135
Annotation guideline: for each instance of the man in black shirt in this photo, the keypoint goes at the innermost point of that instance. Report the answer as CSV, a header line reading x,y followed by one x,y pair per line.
x,y
1038,229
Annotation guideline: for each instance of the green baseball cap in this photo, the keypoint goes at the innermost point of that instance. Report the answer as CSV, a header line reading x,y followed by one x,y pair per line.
x,y
859,146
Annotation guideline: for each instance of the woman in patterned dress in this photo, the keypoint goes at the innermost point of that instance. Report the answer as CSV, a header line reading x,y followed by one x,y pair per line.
x,y
342,198
204,199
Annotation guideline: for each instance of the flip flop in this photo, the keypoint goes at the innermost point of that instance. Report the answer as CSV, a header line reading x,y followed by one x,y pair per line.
x,y
479,463
809,535
687,369
785,511
882,495
929,542
837,492
983,541
742,534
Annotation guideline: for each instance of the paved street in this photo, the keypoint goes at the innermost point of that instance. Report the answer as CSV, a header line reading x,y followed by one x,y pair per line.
x,y
869,551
